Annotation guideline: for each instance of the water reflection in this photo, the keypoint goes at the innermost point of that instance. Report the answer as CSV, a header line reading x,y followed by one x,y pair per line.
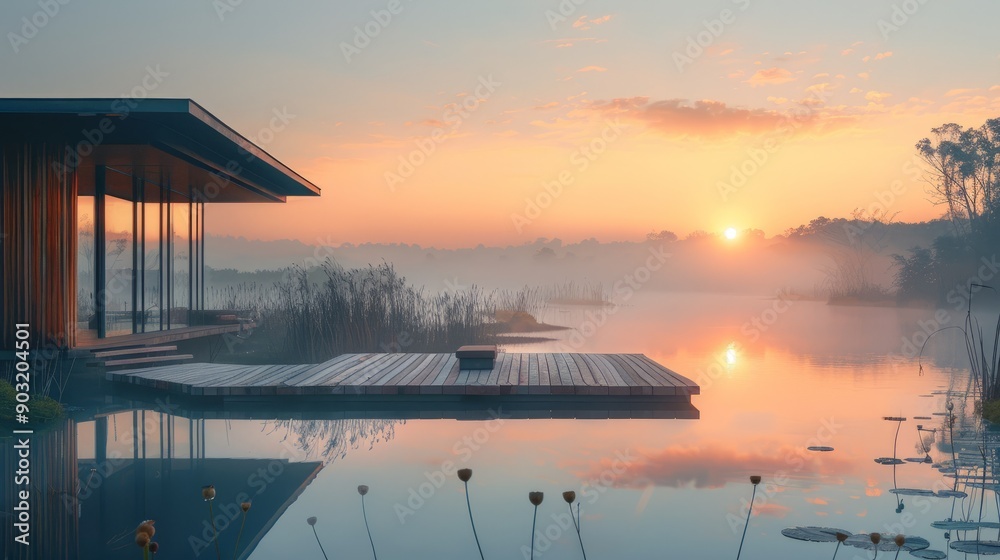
x,y
816,377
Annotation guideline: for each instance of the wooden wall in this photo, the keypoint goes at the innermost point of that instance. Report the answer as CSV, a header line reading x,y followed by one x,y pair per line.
x,y
37,244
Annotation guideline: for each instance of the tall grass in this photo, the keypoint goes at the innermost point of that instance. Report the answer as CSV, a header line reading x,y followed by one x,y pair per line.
x,y
312,318
574,293
984,359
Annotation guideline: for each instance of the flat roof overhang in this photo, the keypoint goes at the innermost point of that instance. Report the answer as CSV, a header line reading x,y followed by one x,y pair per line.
x,y
162,140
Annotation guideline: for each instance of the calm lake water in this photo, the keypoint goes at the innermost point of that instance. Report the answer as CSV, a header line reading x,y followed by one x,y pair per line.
x,y
777,377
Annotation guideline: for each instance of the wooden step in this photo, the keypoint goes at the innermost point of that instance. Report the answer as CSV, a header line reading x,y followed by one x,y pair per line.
x,y
148,360
131,351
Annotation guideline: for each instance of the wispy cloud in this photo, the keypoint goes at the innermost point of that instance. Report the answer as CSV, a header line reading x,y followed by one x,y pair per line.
x,y
586,22
702,118
770,76
593,68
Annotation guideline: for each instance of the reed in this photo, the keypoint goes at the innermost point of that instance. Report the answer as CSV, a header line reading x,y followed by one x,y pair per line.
x,y
316,314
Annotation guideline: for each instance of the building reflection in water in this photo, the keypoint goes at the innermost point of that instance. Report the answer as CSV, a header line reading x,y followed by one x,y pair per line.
x,y
95,479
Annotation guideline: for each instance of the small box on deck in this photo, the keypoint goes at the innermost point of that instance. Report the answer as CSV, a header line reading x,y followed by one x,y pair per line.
x,y
477,356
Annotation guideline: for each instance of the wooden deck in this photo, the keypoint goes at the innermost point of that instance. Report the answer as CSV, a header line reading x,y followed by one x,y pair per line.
x,y
86,345
374,376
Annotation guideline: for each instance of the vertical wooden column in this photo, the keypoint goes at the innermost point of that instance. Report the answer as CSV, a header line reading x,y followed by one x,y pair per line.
x,y
37,244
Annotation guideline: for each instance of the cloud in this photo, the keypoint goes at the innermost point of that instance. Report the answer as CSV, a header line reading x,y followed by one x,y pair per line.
x,y
697,118
549,105
878,56
772,75
962,91
714,466
571,41
864,75
771,510
847,52
585,22
593,68
877,96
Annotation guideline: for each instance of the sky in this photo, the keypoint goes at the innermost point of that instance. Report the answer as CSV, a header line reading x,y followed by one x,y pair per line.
x,y
453,124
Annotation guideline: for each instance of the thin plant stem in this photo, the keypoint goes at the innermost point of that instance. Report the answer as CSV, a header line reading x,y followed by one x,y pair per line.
x,y
576,524
472,521
365,515
240,535
835,550
533,519
749,513
320,544
215,532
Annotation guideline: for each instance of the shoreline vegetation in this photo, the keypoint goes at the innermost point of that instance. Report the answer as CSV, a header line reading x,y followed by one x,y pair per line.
x,y
316,314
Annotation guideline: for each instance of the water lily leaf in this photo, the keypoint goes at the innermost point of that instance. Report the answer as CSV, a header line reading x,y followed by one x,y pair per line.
x,y
864,541
965,525
919,460
888,461
950,494
813,534
929,553
977,547
820,448
912,492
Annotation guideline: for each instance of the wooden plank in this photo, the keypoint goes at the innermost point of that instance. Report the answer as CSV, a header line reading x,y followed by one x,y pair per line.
x,y
132,351
543,370
148,360
324,366
660,385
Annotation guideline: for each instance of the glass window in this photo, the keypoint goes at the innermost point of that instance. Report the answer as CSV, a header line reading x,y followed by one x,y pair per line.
x,y
118,246
180,224
86,312
152,247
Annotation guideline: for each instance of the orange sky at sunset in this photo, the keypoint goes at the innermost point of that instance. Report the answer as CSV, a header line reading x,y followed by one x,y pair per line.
x,y
491,102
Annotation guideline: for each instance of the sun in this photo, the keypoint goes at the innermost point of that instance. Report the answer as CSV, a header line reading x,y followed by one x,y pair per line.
x,y
731,233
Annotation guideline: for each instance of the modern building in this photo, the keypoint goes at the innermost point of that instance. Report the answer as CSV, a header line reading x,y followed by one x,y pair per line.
x,y
103,214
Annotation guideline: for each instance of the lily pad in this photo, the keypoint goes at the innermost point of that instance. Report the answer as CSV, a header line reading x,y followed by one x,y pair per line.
x,y
864,541
965,525
888,461
929,553
912,492
813,534
950,494
820,448
927,460
977,547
